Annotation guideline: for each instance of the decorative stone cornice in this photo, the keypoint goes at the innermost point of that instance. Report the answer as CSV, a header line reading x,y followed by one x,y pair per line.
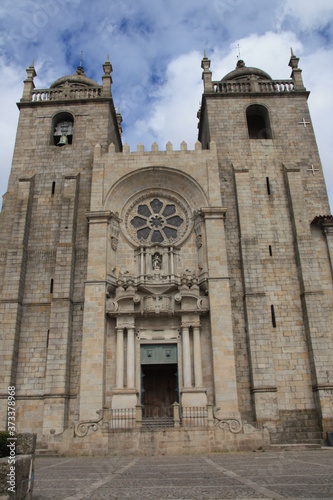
x,y
261,389
99,216
322,387
213,212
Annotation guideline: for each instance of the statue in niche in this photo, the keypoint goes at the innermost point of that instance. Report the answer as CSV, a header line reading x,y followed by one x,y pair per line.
x,y
157,262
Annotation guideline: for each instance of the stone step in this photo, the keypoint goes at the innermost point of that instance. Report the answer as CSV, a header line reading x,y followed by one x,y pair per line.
x,y
45,453
304,421
295,446
282,439
302,432
301,425
289,436
157,422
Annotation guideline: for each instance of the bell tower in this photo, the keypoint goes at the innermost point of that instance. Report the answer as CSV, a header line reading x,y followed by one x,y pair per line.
x,y
44,241
272,185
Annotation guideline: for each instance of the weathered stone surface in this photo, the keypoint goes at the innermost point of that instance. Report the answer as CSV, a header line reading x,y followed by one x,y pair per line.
x,y
26,443
24,467
217,252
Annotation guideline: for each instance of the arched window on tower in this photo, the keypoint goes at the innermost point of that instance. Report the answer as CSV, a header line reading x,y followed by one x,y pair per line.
x,y
62,129
258,122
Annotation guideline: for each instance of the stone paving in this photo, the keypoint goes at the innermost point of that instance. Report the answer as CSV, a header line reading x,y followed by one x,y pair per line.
x,y
270,475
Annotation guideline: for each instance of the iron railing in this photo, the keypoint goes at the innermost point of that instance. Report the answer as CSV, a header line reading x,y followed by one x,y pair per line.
x,y
120,419
154,417
194,416
158,416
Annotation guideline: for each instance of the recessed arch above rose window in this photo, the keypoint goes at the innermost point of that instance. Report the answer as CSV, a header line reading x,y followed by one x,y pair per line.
x,y
158,219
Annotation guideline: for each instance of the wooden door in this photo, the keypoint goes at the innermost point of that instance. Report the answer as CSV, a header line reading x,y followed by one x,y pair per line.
x,y
160,389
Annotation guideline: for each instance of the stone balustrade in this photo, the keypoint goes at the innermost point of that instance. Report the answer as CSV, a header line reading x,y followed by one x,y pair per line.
x,y
269,86
67,93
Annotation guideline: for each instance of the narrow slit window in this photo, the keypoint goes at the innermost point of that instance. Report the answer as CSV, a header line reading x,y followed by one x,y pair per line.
x,y
270,250
51,286
273,316
268,186
53,188
47,338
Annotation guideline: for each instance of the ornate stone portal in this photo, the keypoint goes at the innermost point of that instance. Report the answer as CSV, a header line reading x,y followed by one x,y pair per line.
x,y
158,293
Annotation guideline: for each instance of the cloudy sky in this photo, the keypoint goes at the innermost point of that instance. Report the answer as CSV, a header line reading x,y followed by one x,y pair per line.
x,y
156,47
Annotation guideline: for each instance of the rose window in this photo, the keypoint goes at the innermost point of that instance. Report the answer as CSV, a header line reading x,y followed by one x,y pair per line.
x,y
159,220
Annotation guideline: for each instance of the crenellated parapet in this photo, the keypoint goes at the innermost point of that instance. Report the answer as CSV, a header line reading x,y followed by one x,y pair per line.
x,y
140,149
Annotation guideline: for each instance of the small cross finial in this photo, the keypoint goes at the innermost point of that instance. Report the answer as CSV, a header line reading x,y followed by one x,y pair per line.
x,y
239,54
304,122
313,170
81,58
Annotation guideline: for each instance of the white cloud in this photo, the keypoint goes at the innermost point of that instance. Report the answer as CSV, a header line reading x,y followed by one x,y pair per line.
x,y
173,117
269,52
308,15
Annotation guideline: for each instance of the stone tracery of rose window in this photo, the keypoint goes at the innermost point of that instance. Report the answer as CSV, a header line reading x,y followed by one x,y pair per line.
x,y
157,220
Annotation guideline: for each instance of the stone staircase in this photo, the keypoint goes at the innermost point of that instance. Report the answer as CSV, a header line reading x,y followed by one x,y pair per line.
x,y
157,422
298,428
43,451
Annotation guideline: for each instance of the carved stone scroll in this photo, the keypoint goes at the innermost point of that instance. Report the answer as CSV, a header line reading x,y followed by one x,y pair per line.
x,y
233,424
81,428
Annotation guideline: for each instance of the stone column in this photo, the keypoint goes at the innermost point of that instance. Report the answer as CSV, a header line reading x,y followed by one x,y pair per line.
x,y
171,264
125,396
142,263
186,356
130,358
120,358
197,357
192,396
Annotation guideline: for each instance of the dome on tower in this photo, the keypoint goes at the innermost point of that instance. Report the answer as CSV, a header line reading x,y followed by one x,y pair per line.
x,y
244,72
79,79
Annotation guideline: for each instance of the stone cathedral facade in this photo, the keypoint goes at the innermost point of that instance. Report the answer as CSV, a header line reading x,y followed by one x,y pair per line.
x,y
167,300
